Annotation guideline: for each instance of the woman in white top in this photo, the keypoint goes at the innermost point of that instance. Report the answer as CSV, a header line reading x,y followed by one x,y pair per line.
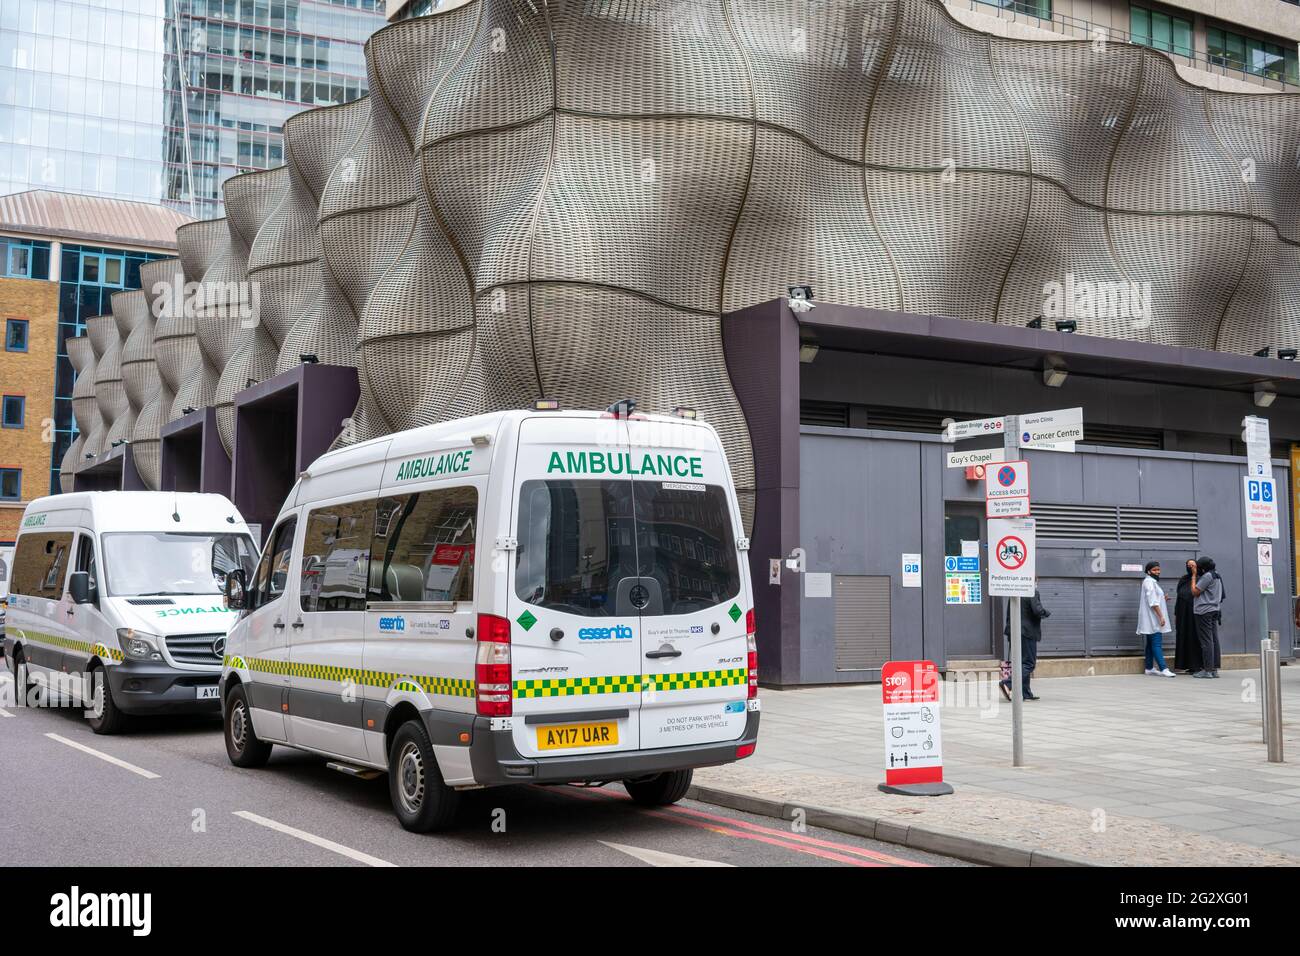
x,y
1153,621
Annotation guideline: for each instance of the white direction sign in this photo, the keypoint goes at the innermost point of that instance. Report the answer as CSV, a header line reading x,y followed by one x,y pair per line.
x,y
1062,425
956,431
1006,490
1260,497
1012,557
982,456
1050,446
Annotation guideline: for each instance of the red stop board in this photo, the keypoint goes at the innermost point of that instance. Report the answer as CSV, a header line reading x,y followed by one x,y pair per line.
x,y
1011,552
910,695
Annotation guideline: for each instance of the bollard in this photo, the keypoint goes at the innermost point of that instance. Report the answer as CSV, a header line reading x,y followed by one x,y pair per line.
x,y
1264,645
1273,666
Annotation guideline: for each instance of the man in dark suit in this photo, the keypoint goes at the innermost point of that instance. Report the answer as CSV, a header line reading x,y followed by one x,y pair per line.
x,y
1032,613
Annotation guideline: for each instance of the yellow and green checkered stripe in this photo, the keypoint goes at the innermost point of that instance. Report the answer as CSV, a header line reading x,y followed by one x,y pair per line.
x,y
68,644
575,686
447,686
628,683
523,689
691,680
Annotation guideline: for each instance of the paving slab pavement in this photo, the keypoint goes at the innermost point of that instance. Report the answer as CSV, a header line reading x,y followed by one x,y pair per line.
x,y
1121,770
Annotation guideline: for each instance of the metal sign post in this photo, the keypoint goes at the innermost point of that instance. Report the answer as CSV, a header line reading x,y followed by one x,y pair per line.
x,y
1012,441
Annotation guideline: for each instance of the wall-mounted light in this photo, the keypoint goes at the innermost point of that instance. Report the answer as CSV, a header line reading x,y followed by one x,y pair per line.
x,y
1264,397
308,358
1035,323
1054,373
808,349
1286,355
1067,325
1262,353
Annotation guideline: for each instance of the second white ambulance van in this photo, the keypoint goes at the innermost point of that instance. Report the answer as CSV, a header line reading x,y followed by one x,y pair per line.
x,y
121,592
522,597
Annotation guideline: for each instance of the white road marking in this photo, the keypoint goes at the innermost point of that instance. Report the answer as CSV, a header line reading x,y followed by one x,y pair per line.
x,y
659,857
148,775
303,835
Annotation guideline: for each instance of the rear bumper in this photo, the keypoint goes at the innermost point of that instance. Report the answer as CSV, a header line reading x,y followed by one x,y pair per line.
x,y
148,688
495,761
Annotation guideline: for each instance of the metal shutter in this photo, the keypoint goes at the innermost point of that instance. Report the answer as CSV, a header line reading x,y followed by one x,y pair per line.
x,y
861,621
1112,616
1063,631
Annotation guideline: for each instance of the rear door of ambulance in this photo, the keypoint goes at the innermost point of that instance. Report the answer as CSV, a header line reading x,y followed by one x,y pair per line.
x,y
696,616
575,633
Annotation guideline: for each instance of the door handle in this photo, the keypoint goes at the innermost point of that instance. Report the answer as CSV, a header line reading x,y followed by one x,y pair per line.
x,y
655,655
278,625
298,624
70,612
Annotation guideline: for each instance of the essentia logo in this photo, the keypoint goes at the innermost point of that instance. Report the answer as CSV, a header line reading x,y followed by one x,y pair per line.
x,y
397,623
619,632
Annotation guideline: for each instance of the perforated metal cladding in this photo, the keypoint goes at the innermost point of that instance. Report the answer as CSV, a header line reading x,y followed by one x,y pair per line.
x,y
250,350
316,146
85,410
200,245
163,286
561,199
110,394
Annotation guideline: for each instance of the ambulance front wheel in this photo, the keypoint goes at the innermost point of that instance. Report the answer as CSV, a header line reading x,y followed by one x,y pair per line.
x,y
422,802
104,716
661,789
242,745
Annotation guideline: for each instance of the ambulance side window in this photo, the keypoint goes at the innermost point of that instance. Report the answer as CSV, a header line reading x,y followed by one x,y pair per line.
x,y
336,557
273,570
41,565
424,546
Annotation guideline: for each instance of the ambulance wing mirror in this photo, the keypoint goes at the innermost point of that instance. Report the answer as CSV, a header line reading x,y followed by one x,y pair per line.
x,y
236,585
79,587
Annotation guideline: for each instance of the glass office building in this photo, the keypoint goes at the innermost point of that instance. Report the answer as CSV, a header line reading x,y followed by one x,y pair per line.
x,y
163,100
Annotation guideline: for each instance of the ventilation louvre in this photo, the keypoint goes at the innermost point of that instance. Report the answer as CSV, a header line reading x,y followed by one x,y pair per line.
x,y
1117,523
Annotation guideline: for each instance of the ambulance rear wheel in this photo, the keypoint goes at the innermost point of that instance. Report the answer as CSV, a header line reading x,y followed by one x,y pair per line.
x,y
242,746
661,789
104,716
422,802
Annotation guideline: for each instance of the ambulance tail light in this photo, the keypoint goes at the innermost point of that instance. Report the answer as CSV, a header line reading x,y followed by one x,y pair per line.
x,y
752,642
492,672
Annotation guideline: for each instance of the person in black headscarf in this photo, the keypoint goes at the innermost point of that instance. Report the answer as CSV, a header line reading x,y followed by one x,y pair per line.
x,y
1207,594
1187,650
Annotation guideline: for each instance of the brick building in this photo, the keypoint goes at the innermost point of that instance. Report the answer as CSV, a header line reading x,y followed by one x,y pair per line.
x,y
61,258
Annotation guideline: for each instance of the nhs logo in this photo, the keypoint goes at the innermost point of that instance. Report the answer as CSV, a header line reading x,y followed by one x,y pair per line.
x,y
392,624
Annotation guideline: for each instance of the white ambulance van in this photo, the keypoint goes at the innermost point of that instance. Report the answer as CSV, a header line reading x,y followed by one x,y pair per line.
x,y
121,591
537,596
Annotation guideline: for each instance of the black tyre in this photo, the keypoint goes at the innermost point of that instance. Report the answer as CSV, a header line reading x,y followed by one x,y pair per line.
x,y
242,745
103,715
422,802
22,683
661,789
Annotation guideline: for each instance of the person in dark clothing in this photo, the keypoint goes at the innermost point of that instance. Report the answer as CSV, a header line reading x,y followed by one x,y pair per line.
x,y
1032,613
1187,650
1207,593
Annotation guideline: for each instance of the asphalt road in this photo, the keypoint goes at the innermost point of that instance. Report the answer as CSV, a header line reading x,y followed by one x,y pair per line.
x,y
172,798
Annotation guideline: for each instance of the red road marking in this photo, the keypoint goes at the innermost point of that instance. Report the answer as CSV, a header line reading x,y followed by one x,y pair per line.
x,y
726,826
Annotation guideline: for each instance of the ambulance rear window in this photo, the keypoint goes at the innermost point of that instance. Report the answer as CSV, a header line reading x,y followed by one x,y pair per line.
x,y
579,539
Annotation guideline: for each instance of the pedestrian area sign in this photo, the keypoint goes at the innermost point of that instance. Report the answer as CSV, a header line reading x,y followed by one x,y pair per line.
x,y
913,743
1012,557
